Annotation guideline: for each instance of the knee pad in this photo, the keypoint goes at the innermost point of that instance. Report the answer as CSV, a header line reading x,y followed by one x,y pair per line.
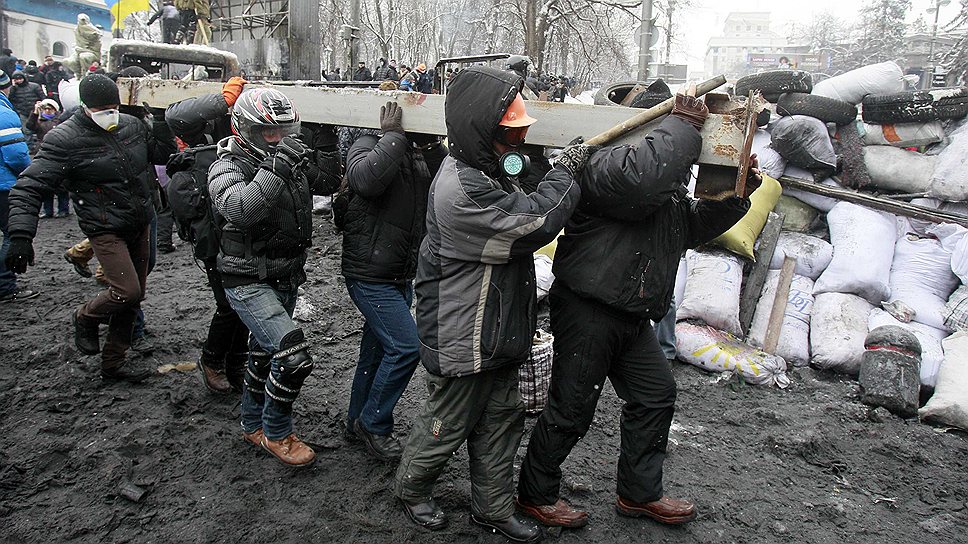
x,y
294,365
260,363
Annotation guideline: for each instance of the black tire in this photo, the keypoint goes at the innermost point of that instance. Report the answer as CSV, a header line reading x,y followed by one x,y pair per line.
x,y
916,106
606,96
774,83
828,110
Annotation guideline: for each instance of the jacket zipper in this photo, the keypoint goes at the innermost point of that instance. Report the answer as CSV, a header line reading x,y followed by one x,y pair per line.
x,y
642,278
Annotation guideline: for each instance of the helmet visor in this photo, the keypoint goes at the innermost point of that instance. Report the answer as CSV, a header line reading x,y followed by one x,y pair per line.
x,y
511,136
266,137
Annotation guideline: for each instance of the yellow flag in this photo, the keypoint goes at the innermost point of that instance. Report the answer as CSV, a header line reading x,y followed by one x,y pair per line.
x,y
120,9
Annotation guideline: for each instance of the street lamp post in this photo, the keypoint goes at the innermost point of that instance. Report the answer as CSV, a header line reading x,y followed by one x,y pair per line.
x,y
938,4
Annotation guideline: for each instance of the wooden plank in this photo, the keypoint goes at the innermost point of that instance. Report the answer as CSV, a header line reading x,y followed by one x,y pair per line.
x,y
558,123
757,277
775,324
876,202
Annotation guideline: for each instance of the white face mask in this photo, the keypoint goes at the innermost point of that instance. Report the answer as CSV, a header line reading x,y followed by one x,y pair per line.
x,y
106,119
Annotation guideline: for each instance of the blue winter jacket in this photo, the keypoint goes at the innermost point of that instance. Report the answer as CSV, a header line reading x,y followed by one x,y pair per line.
x,y
13,149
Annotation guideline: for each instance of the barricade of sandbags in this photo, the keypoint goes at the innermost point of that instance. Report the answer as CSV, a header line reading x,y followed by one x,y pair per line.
x,y
929,337
896,169
921,280
838,327
949,404
813,254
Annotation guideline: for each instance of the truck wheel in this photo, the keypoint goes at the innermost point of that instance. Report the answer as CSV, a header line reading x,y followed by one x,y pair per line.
x,y
774,83
828,110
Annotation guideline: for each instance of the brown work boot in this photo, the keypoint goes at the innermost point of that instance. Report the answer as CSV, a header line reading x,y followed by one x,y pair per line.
x,y
80,265
290,450
665,510
559,514
255,437
213,379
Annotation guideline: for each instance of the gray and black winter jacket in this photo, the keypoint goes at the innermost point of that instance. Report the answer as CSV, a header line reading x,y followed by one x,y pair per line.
x,y
623,244
475,286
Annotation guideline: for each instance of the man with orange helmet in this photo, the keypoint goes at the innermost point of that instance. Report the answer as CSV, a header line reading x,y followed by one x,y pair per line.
x,y
476,302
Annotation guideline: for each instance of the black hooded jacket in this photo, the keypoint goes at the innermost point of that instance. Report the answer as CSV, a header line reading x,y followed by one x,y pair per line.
x,y
23,97
623,244
476,302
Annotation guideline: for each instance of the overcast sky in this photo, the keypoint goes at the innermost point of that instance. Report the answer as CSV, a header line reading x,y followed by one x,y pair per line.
x,y
706,19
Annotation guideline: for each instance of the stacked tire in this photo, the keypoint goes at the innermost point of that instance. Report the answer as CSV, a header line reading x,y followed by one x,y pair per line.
x,y
916,106
774,83
828,110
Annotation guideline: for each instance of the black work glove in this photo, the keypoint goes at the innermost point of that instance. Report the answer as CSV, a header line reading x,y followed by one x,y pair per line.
x,y
574,157
391,118
20,254
691,110
292,150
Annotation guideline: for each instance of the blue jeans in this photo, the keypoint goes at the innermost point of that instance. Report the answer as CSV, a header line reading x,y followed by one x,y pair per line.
x,y
665,331
267,313
8,281
388,352
63,203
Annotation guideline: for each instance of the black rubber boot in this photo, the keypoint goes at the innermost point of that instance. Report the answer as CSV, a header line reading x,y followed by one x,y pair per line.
x,y
85,336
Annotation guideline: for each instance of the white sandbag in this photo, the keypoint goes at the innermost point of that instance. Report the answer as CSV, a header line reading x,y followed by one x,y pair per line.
x,y
954,238
838,328
921,278
544,277
804,142
896,169
949,404
863,241
822,203
813,254
771,162
853,86
950,180
929,337
717,351
901,134
681,275
713,281
794,342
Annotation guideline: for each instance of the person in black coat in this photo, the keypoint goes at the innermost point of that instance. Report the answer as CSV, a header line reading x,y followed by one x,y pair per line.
x,y
102,158
24,95
615,271
362,73
390,178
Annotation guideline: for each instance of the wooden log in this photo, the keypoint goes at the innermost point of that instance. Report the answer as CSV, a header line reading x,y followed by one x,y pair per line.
x,y
775,324
875,202
757,277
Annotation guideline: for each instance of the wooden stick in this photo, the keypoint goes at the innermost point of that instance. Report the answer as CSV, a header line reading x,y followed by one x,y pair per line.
x,y
875,202
779,305
651,114
754,283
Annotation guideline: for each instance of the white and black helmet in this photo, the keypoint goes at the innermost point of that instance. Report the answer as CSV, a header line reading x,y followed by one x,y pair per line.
x,y
262,117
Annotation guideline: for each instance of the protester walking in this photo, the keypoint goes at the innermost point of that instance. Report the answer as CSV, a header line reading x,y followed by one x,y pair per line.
x,y
111,189
476,301
388,179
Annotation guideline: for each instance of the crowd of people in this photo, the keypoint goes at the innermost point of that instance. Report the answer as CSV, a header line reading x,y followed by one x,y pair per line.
x,y
444,229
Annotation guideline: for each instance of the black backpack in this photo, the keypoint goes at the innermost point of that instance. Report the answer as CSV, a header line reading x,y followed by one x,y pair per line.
x,y
189,199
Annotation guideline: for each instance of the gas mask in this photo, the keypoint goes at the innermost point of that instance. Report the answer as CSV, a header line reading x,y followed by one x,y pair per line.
x,y
106,119
515,164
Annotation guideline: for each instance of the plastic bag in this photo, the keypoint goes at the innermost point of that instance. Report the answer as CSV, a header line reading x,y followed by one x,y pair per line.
x,y
813,254
805,142
921,278
771,162
863,241
838,328
544,277
794,342
901,134
741,237
717,351
950,180
929,337
896,169
853,86
713,284
949,405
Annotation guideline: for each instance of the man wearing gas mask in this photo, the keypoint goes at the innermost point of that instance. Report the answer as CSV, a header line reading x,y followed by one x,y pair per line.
x,y
388,178
262,198
615,271
476,301
102,158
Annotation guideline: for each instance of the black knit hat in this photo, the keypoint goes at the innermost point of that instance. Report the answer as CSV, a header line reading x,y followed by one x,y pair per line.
x,y
98,90
4,80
